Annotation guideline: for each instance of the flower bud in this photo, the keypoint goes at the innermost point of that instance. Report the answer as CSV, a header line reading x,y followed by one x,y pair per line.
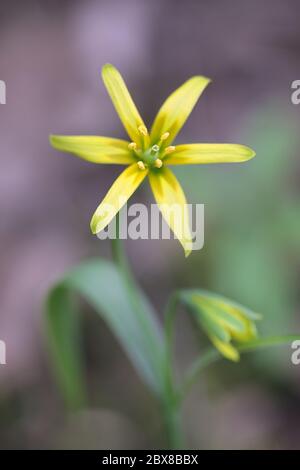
x,y
225,322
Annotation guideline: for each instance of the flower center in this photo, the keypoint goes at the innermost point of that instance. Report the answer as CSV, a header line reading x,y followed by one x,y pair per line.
x,y
150,156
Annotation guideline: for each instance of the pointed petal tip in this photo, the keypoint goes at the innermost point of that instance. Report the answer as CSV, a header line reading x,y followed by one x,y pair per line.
x,y
109,70
106,69
232,354
93,225
202,77
227,349
252,153
187,252
236,358
53,139
249,153
107,66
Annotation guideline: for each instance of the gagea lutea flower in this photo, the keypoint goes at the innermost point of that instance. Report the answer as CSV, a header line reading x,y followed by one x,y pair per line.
x,y
150,153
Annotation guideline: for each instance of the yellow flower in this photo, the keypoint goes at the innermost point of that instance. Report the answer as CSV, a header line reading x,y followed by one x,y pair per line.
x,y
150,154
225,322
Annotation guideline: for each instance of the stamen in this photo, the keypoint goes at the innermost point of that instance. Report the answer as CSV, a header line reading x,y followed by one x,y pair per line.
x,y
141,165
143,130
158,163
132,146
154,149
170,149
165,136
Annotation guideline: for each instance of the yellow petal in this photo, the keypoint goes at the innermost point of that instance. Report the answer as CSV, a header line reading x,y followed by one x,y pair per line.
x,y
226,349
172,203
177,108
119,193
94,149
123,102
190,154
248,331
248,334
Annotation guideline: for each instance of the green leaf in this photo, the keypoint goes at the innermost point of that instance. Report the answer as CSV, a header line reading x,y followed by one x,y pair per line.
x,y
102,285
63,330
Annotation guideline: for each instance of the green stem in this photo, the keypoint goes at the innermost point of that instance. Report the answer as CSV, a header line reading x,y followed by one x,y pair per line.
x,y
169,316
208,358
173,409
212,355
172,418
170,404
121,260
120,257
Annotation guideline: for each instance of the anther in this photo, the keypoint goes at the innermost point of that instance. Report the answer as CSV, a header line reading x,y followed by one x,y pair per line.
x,y
165,136
143,130
141,165
170,149
154,149
132,146
158,163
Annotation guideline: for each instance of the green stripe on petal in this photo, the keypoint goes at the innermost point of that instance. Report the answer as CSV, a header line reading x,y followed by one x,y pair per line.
x,y
117,196
224,316
123,102
212,327
222,301
177,108
94,149
172,203
190,154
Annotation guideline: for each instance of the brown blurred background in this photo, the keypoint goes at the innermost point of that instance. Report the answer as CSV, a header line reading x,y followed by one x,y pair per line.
x,y
51,54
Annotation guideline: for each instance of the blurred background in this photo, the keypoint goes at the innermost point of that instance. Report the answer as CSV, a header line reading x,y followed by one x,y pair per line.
x,y
51,54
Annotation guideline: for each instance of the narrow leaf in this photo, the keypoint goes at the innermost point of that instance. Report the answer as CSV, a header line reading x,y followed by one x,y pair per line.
x,y
101,284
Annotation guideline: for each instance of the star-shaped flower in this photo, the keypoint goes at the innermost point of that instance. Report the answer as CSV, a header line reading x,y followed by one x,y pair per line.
x,y
150,154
